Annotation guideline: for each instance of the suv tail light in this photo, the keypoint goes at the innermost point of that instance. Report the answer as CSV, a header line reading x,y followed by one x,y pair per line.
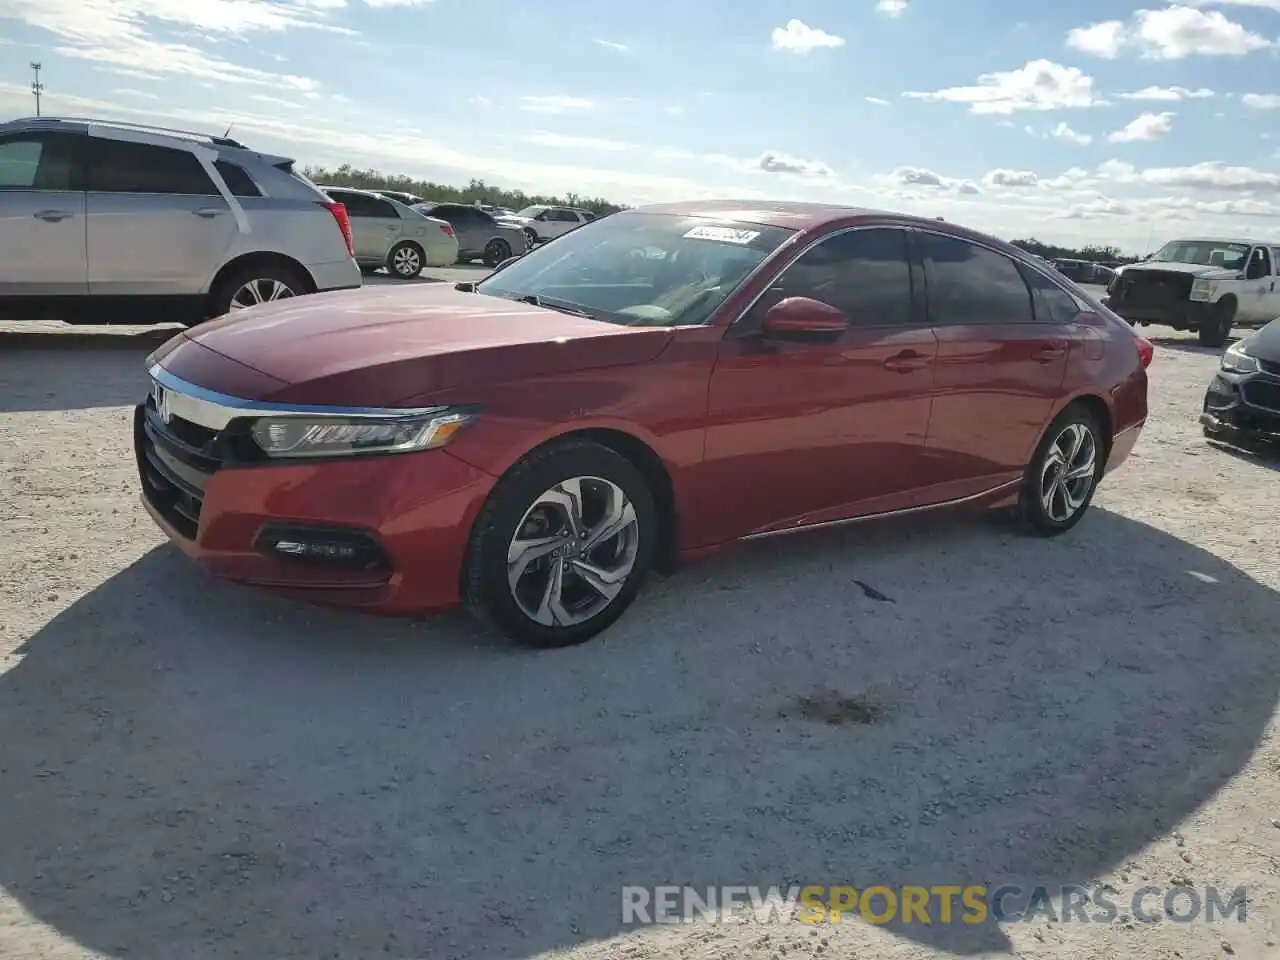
x,y
339,212
1146,351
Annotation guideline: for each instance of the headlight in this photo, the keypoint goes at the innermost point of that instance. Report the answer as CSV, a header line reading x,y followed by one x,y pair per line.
x,y
1202,290
1237,361
304,435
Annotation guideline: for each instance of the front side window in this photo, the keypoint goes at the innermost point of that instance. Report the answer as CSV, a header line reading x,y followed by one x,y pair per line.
x,y
122,166
865,274
41,161
968,284
649,269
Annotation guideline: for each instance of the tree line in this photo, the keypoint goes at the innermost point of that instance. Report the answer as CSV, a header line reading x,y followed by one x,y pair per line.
x,y
478,190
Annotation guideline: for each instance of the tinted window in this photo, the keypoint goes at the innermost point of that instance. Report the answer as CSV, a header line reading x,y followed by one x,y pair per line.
x,y
41,161
1052,303
238,181
970,284
1265,257
863,273
119,166
362,205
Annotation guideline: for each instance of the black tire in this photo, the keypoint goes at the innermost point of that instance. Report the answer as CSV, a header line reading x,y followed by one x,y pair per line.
x,y
1214,332
405,260
369,271
485,589
1031,511
233,287
531,235
495,251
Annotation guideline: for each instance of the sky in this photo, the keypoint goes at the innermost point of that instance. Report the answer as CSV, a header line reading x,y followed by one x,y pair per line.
x,y
1089,122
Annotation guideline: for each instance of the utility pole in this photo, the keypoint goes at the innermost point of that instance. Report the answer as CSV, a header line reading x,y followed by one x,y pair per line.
x,y
36,86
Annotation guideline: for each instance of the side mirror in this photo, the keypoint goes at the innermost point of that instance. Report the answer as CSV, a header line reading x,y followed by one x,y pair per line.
x,y
801,318
1257,270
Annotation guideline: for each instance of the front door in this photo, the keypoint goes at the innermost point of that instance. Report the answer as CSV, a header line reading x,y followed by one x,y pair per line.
x,y
808,432
1000,367
1257,288
42,224
157,225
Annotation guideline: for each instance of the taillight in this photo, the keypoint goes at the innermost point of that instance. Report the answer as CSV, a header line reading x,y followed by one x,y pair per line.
x,y
1146,351
339,211
447,229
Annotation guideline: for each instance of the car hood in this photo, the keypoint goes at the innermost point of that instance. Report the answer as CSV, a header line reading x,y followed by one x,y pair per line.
x,y
1169,266
1265,343
389,346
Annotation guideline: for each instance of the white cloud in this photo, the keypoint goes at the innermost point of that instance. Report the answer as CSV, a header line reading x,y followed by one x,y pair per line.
x,y
1211,175
397,3
1040,85
929,181
1169,93
892,8
1064,132
799,37
1262,101
1255,4
771,161
1148,126
1173,33
673,111
878,101
613,45
1105,39
575,143
1011,178
130,92
556,104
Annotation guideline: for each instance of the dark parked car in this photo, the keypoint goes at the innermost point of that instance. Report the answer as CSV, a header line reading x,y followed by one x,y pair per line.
x,y
1242,403
656,385
480,235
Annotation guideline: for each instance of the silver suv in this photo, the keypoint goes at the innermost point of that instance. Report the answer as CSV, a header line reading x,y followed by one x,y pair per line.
x,y
110,222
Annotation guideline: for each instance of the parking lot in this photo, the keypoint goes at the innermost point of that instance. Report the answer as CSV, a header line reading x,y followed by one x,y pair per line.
x,y
193,770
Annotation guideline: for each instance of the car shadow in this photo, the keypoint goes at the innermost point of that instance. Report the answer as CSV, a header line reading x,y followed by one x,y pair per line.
x,y
1189,345
70,368
194,768
1266,456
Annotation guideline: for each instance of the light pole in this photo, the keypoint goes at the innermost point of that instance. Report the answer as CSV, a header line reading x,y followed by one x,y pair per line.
x,y
36,86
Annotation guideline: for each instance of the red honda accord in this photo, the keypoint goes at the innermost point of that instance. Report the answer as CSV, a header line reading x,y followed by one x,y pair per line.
x,y
650,387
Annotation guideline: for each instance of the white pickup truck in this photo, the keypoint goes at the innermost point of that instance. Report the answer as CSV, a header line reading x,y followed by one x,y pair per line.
x,y
1205,285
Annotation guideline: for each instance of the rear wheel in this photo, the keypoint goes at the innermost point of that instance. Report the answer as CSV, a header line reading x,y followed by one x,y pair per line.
x,y
562,547
496,251
531,236
1063,475
405,260
253,284
1216,328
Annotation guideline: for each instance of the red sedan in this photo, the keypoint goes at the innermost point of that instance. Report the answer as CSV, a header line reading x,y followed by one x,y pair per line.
x,y
653,386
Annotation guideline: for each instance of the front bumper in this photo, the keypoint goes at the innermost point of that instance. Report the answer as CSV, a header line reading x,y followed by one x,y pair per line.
x,y
1181,315
1243,407
338,275
417,508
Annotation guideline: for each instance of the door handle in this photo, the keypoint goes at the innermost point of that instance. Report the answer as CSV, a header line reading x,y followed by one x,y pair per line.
x,y
208,212
52,216
1050,353
906,361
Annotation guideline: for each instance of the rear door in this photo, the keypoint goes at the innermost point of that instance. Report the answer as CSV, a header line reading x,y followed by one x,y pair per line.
x,y
42,222
375,226
804,432
157,224
1000,367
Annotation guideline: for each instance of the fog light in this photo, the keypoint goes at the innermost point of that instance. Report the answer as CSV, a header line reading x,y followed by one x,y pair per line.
x,y
348,548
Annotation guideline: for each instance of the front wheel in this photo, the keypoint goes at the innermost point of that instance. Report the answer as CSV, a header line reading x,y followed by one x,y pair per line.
x,y
405,260
562,547
1061,479
1214,331
495,252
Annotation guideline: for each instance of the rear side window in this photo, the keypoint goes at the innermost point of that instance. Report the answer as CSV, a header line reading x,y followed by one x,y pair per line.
x,y
968,284
120,166
237,179
42,161
1052,303
361,205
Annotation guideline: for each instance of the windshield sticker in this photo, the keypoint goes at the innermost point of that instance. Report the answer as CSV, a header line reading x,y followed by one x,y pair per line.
x,y
722,235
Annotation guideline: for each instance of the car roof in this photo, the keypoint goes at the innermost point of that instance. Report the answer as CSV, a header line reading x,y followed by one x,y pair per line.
x,y
1247,243
791,214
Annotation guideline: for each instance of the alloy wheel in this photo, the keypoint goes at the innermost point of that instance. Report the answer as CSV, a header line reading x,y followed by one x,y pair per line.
x,y
573,551
1068,474
263,290
407,262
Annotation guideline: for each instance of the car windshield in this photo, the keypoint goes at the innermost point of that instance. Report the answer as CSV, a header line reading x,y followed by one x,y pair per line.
x,y
530,211
643,269
1205,253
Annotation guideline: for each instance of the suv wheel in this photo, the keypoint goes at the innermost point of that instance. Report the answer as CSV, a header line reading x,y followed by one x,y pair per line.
x,y
405,260
1060,481
495,252
250,285
1216,328
563,545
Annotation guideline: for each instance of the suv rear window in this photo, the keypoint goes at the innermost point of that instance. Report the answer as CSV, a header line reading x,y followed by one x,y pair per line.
x,y
238,181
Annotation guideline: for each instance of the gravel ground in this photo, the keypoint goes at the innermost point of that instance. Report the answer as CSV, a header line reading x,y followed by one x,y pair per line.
x,y
192,770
